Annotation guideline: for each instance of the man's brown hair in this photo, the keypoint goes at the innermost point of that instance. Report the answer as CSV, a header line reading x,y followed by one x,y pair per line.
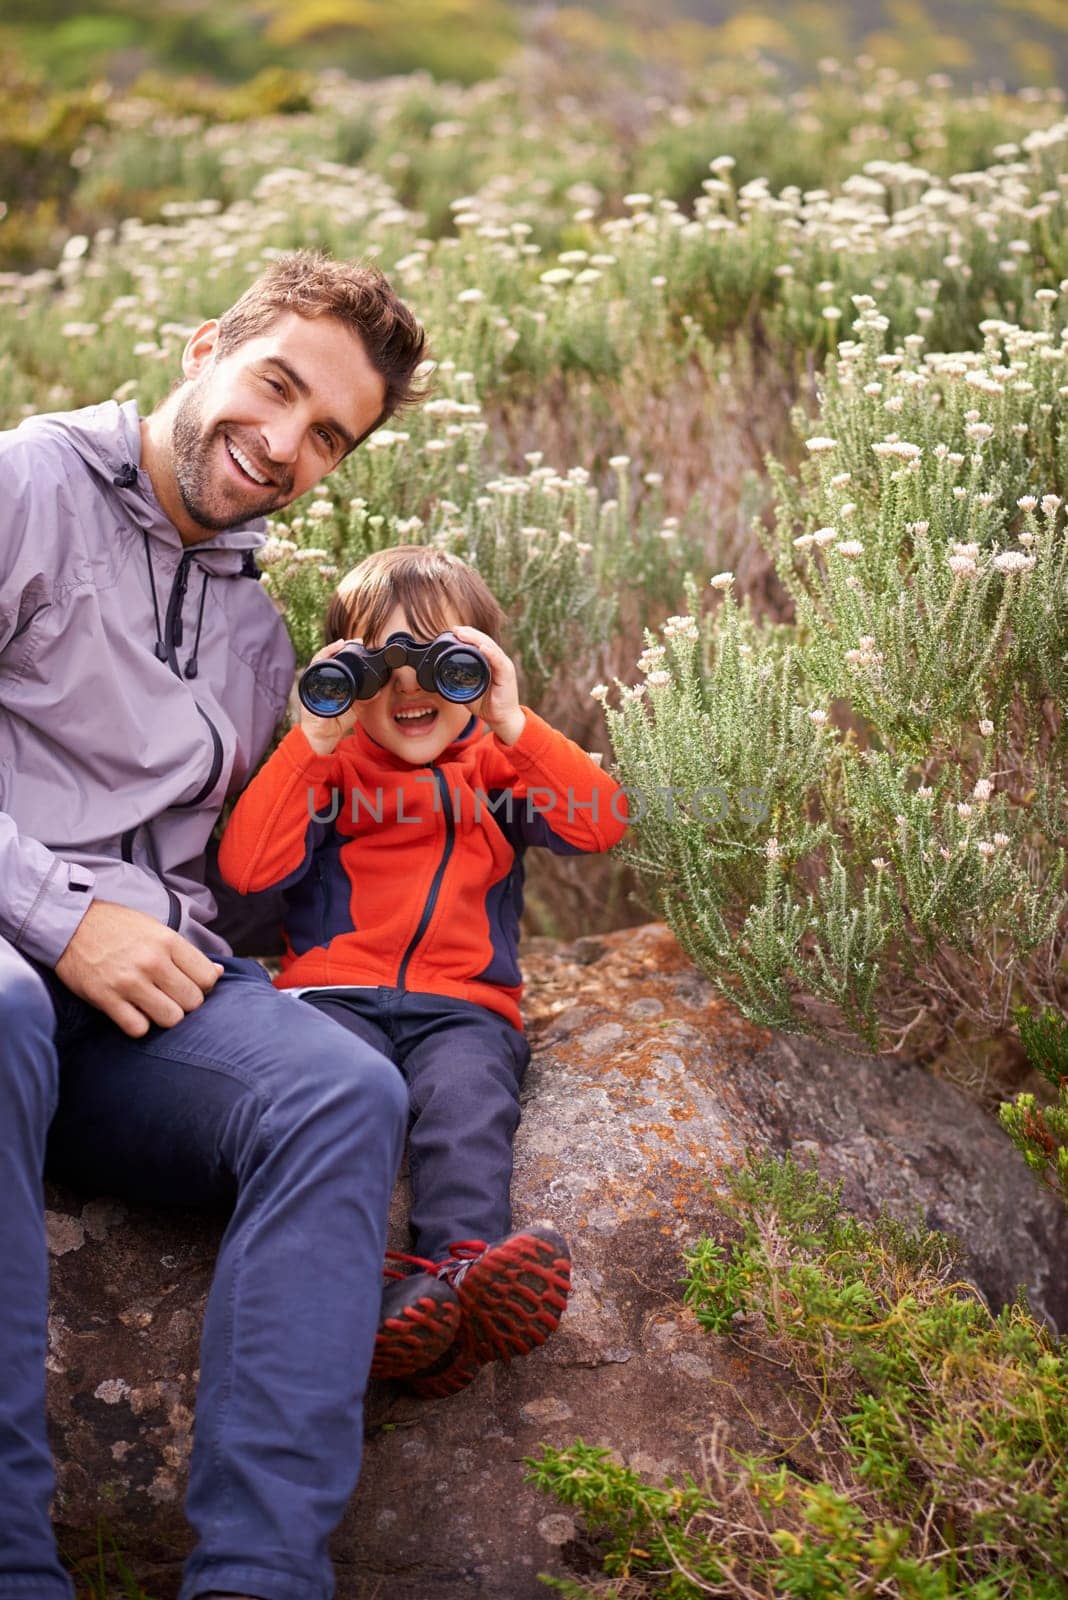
x,y
359,295
428,583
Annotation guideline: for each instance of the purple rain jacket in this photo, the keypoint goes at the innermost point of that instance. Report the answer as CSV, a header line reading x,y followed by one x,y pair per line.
x,y
140,683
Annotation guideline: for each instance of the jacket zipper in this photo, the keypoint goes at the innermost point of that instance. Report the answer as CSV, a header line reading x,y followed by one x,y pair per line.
x,y
172,629
322,903
174,905
172,638
435,887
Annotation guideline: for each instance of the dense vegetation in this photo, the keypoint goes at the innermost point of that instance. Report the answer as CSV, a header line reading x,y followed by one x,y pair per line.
x,y
928,1460
748,400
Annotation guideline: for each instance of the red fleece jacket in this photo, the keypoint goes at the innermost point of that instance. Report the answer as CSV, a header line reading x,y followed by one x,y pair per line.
x,y
411,877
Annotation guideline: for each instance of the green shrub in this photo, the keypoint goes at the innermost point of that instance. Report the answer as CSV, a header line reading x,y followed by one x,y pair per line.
x,y
1040,1132
940,1432
904,869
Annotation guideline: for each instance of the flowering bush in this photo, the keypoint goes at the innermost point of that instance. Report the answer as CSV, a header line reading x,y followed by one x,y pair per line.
x,y
902,879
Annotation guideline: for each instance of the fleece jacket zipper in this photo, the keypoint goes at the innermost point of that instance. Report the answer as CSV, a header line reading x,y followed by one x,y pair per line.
x,y
435,887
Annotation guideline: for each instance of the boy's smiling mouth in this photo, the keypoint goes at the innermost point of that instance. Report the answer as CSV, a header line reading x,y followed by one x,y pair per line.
x,y
412,720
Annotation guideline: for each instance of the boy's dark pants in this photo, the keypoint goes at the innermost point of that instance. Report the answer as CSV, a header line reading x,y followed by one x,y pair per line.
x,y
463,1065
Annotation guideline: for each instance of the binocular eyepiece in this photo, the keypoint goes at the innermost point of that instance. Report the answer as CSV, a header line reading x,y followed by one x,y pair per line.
x,y
446,666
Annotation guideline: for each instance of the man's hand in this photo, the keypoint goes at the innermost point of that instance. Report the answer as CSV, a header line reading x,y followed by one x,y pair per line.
x,y
134,969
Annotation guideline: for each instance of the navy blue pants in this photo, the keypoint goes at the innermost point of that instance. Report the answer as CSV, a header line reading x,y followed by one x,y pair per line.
x,y
463,1065
265,1105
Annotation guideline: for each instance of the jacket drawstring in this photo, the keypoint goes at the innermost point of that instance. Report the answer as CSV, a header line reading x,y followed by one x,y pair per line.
x,y
160,647
191,664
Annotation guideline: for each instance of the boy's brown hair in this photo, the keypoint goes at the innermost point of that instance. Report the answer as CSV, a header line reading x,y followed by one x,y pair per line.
x,y
428,583
359,295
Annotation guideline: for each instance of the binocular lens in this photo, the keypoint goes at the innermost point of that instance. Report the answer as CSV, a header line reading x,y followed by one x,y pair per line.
x,y
461,675
326,690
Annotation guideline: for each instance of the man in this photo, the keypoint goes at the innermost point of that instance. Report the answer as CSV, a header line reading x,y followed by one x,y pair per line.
x,y
142,673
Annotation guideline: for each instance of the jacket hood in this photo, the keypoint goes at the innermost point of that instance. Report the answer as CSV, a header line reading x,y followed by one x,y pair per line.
x,y
108,439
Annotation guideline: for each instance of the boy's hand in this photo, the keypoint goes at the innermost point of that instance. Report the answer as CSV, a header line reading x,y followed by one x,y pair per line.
x,y
325,733
499,707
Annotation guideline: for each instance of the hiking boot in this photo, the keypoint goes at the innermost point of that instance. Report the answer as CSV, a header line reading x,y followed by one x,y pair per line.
x,y
420,1318
512,1295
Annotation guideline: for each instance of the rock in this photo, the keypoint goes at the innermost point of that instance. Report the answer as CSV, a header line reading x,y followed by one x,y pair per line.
x,y
645,1090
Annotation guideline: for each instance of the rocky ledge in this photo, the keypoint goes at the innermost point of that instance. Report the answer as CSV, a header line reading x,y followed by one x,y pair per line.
x,y
645,1091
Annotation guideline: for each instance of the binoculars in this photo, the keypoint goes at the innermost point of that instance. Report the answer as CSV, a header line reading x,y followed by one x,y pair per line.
x,y
446,666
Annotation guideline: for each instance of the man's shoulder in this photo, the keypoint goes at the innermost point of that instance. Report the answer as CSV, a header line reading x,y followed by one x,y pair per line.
x,y
47,447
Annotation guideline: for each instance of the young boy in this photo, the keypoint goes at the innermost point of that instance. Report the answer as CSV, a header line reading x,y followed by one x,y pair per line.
x,y
398,830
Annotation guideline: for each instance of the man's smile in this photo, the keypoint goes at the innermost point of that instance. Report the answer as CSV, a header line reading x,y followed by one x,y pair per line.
x,y
246,466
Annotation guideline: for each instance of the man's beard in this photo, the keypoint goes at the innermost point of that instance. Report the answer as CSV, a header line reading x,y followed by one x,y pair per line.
x,y
191,452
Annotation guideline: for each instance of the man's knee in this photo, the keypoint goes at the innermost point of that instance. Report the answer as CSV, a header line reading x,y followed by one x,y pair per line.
x,y
340,1088
27,1026
25,1004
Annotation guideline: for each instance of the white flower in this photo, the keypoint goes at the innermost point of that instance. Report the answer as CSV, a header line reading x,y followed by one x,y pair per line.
x,y
850,548
771,849
879,863
721,581
983,789
618,463
984,847
722,163
818,718
659,679
819,445
599,692
556,275
901,448
924,793
1027,502
320,510
637,199
964,810
963,566
1050,505
469,297
1010,561
1026,539
986,727
1001,840
651,657
653,479
980,431
681,628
